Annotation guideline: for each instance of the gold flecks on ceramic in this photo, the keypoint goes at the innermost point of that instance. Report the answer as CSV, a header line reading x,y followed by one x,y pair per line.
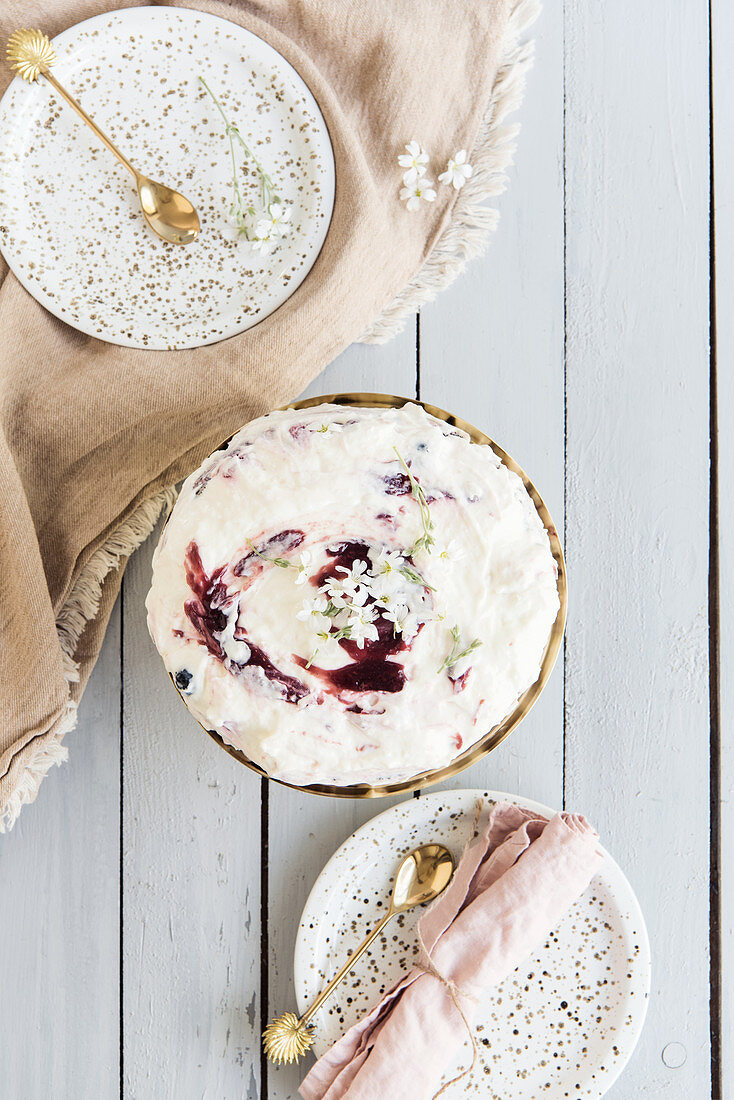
x,y
29,53
562,1025
71,227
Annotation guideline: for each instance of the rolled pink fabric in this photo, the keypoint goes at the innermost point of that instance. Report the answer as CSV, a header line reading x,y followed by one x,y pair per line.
x,y
517,877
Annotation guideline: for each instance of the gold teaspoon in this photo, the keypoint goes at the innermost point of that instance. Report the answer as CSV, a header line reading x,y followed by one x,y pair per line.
x,y
422,876
168,213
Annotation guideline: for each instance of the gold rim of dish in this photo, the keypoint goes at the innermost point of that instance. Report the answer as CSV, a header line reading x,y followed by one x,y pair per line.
x,y
526,701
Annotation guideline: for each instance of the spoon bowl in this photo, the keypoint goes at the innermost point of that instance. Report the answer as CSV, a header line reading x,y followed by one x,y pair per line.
x,y
167,212
422,876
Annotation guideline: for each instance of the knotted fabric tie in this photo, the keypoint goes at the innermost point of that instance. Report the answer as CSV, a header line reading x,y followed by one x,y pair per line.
x,y
426,964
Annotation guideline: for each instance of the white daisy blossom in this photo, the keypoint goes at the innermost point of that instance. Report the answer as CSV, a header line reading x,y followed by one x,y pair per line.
x,y
264,244
313,608
279,215
385,585
304,565
414,160
361,628
457,170
453,551
354,576
414,192
397,615
409,627
347,592
359,595
366,614
405,621
387,561
263,229
337,594
263,235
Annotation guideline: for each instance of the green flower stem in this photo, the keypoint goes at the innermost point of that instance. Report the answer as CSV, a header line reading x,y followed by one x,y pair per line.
x,y
269,194
282,563
426,540
457,654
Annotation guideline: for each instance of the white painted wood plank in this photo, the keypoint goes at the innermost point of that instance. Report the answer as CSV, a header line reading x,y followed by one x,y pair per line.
x,y
191,873
637,488
59,907
306,829
492,352
723,136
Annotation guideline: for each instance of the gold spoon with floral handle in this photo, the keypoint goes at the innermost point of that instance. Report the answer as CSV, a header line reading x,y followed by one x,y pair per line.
x,y
422,876
168,213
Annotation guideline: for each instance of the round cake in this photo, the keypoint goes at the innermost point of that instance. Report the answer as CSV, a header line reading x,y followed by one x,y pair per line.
x,y
352,595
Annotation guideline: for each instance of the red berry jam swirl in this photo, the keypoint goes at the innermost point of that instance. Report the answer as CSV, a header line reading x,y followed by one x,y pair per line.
x,y
370,668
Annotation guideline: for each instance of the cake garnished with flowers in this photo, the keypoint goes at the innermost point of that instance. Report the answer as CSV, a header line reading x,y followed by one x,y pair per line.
x,y
352,595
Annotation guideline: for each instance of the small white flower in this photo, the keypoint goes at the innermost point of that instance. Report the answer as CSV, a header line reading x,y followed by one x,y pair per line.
x,y
336,594
414,160
384,586
345,595
387,561
359,595
304,565
453,551
280,215
457,170
313,611
397,615
366,614
414,192
354,576
274,224
264,244
361,627
405,621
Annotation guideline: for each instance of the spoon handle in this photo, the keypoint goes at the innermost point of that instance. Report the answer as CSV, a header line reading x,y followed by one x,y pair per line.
x,y
90,122
348,965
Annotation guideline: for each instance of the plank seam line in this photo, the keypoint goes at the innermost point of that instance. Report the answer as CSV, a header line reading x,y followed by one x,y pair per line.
x,y
565,399
121,895
714,629
264,928
418,356
417,794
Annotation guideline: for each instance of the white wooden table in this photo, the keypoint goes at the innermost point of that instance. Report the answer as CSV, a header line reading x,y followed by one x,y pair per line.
x,y
149,899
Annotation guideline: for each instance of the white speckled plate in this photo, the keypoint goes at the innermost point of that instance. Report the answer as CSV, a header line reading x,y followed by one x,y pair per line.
x,y
563,1025
70,223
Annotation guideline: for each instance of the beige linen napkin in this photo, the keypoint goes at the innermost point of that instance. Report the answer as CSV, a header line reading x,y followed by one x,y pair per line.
x,y
93,436
517,877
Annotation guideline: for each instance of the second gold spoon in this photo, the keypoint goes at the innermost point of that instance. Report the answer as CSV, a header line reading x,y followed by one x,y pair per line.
x,y
168,213
422,876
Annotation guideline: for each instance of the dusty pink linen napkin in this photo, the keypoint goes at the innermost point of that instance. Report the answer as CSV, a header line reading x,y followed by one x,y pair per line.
x,y
517,877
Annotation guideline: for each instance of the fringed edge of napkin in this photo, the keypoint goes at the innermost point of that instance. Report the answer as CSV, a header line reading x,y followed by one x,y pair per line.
x,y
467,234
79,609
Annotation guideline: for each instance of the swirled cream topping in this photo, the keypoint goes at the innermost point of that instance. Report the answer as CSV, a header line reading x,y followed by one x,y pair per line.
x,y
352,595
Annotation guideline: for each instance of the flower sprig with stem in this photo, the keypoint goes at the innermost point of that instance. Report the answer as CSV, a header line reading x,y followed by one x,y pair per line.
x,y
456,653
282,563
426,541
241,212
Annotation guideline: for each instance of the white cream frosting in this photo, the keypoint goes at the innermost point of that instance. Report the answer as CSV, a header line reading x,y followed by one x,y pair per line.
x,y
311,481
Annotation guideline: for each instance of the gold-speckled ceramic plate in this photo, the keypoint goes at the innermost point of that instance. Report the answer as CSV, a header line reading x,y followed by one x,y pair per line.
x,y
70,222
496,735
562,1025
